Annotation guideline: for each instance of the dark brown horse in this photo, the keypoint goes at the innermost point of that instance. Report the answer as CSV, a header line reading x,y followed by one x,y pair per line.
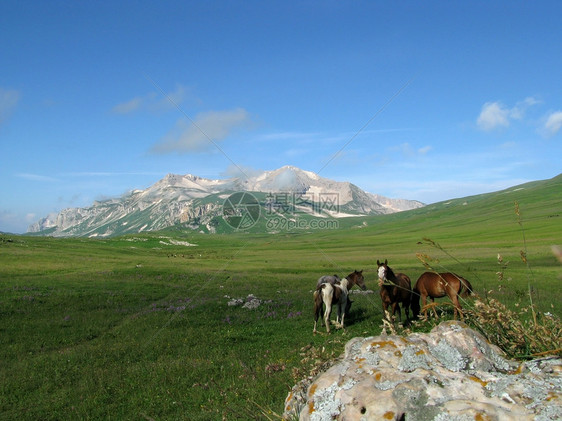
x,y
396,288
437,285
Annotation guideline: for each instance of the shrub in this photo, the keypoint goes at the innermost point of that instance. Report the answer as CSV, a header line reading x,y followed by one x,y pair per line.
x,y
517,335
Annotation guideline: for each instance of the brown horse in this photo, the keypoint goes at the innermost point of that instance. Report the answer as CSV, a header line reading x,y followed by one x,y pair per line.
x,y
395,289
437,285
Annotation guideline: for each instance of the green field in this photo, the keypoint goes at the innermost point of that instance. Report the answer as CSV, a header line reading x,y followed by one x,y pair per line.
x,y
139,327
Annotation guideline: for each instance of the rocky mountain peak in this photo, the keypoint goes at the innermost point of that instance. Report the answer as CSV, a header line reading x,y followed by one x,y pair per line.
x,y
177,199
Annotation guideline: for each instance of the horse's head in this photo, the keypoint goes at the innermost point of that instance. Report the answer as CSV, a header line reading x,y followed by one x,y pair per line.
x,y
356,278
383,270
359,280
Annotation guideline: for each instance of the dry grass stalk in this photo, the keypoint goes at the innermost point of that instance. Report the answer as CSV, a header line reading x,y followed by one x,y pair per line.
x,y
518,337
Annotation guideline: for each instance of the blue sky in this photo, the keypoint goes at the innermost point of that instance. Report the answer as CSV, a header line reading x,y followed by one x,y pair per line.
x,y
417,100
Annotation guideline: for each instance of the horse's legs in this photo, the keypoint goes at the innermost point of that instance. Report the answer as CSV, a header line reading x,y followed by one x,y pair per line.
x,y
433,307
327,314
384,309
455,300
317,312
423,298
407,310
337,323
424,303
338,314
341,311
318,307
396,306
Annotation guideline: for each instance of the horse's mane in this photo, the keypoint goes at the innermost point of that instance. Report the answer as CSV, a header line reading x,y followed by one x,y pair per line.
x,y
390,273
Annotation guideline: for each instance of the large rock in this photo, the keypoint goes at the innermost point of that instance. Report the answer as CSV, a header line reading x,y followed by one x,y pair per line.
x,y
452,373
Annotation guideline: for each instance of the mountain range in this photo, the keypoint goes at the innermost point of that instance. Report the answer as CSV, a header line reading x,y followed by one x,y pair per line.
x,y
283,195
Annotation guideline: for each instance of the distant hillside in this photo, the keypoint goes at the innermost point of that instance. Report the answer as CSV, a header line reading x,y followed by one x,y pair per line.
x,y
485,215
481,216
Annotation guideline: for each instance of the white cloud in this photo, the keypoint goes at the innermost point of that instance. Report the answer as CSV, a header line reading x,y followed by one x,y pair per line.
x,y
129,106
408,150
36,177
424,150
495,115
202,132
518,112
297,152
110,174
9,98
240,171
508,145
553,123
153,102
171,99
529,101
301,136
492,116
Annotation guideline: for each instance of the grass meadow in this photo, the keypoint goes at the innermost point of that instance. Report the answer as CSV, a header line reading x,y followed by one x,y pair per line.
x,y
139,327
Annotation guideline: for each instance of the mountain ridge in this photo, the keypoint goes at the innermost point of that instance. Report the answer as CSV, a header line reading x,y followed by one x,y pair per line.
x,y
197,202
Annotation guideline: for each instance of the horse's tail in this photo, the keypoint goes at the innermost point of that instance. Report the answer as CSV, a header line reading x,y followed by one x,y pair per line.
x,y
466,288
415,302
318,301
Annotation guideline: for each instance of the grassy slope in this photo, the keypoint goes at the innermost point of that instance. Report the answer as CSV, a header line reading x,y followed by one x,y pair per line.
x,y
135,327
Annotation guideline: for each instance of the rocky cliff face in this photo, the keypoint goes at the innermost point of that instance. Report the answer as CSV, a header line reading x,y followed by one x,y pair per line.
x,y
452,373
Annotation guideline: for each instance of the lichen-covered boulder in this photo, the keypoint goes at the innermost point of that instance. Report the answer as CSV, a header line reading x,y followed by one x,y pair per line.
x,y
451,373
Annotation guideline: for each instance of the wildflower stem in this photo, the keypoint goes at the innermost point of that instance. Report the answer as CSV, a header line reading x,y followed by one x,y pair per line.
x,y
530,275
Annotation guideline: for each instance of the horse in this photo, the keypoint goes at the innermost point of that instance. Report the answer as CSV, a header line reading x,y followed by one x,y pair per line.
x,y
396,288
354,278
328,295
436,285
328,279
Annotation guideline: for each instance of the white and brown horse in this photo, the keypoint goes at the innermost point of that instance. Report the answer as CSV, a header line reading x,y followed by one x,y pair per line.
x,y
328,294
396,288
330,290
